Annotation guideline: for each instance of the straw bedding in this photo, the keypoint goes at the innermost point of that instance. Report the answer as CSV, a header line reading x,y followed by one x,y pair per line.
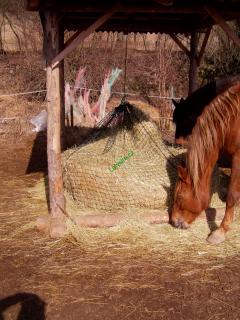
x,y
145,180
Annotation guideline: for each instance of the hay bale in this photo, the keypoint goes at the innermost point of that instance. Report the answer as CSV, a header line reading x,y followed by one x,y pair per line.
x,y
99,175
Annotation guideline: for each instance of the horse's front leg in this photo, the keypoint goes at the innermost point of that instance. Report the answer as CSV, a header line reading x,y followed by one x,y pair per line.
x,y
233,197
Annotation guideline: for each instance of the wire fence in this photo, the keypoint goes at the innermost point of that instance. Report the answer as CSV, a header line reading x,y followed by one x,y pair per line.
x,y
165,108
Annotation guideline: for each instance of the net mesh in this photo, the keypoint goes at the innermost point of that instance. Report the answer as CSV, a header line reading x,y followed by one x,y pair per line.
x,y
125,164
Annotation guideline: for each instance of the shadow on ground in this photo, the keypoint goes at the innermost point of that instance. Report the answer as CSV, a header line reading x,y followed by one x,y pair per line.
x,y
32,307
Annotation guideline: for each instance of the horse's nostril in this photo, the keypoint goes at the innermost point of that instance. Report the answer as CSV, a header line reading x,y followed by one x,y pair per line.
x,y
176,223
184,225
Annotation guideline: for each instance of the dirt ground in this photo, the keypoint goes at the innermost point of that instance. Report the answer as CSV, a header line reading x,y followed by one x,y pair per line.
x,y
130,272
152,272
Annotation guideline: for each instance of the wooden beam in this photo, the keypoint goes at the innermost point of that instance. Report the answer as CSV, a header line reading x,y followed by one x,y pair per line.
x,y
102,6
193,63
84,34
138,26
227,9
204,44
62,89
82,220
55,179
165,2
222,23
73,37
179,43
33,4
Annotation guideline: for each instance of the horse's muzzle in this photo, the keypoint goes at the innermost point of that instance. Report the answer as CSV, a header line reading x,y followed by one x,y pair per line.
x,y
180,224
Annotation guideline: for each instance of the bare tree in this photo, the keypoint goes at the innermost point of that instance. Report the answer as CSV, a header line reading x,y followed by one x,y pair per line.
x,y
25,26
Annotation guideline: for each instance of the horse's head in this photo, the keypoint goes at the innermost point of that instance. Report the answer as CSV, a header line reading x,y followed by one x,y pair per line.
x,y
187,206
184,119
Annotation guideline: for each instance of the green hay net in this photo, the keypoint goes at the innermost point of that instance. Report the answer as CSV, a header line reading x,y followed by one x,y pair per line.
x,y
125,164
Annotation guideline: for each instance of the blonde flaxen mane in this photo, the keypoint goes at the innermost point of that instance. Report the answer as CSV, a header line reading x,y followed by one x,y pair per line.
x,y
209,133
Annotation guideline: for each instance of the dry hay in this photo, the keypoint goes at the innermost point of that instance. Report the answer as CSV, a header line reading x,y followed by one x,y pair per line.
x,y
132,236
146,180
131,239
130,259
113,267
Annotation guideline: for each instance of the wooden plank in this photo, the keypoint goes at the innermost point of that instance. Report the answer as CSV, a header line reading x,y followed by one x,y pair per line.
x,y
193,63
210,215
227,9
62,90
84,34
101,7
55,180
138,26
179,43
165,2
73,37
33,4
222,23
204,44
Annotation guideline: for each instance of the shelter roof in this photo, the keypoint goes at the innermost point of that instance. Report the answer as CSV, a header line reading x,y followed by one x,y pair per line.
x,y
164,16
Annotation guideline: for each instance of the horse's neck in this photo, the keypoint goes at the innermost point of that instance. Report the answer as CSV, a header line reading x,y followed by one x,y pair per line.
x,y
201,97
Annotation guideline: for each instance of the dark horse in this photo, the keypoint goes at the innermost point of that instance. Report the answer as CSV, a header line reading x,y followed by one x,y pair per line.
x,y
188,110
216,130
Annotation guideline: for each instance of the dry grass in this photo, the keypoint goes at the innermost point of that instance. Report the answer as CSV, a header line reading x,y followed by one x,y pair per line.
x,y
132,235
126,262
131,271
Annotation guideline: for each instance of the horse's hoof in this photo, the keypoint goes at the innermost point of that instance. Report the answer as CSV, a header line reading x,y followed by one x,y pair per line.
x,y
216,237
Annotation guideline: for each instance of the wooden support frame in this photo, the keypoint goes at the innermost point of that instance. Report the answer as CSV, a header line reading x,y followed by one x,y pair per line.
x,y
77,38
52,43
110,220
193,67
73,37
62,90
165,2
222,23
204,44
179,43
230,9
194,57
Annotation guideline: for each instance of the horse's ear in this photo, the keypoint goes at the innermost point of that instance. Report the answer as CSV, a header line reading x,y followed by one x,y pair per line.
x,y
175,103
182,171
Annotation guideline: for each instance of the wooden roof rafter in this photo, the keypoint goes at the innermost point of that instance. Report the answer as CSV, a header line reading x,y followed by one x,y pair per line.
x,y
188,51
163,16
74,41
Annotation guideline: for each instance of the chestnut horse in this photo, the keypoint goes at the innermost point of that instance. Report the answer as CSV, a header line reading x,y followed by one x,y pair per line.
x,y
216,130
188,110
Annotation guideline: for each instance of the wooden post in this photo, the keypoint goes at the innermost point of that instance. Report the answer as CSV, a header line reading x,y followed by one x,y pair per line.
x,y
179,43
62,89
222,23
56,196
193,63
77,38
204,44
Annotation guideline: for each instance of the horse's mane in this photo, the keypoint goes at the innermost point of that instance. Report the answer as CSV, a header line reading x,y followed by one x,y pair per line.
x,y
209,132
